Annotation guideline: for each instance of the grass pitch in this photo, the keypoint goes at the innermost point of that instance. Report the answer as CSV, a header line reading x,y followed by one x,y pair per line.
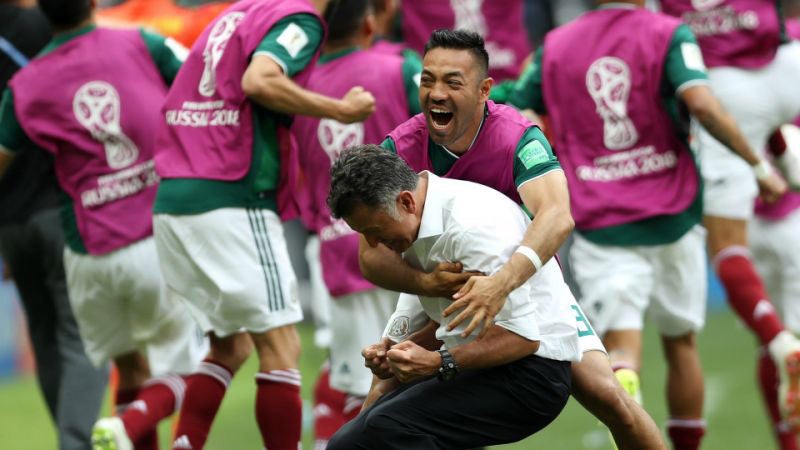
x,y
736,419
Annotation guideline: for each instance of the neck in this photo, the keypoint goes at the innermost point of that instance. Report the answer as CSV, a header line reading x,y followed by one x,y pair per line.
x,y
462,144
62,30
360,41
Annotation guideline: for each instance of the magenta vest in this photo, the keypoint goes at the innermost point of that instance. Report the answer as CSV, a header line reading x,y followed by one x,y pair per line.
x,y
490,160
500,22
321,141
733,33
96,116
614,138
208,128
388,47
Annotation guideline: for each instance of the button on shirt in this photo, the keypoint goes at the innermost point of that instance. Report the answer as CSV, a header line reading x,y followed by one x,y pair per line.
x,y
481,228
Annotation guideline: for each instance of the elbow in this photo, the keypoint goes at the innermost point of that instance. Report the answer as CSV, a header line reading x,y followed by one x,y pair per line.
x,y
564,224
533,346
256,86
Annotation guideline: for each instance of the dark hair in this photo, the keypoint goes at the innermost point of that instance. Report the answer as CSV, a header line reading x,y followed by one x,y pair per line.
x,y
460,40
344,17
368,175
66,13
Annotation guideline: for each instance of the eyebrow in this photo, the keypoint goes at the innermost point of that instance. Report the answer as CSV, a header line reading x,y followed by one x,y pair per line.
x,y
453,74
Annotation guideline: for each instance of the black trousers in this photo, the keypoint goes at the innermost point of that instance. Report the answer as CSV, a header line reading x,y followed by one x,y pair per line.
x,y
72,387
479,408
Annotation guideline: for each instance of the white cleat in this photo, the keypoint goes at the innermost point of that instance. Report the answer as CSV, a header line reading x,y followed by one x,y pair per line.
x,y
785,351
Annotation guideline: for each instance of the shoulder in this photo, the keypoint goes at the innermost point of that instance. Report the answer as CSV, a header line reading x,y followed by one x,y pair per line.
x,y
412,129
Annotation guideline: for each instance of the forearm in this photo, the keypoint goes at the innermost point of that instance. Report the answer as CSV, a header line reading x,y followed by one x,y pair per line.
x,y
385,268
498,347
426,337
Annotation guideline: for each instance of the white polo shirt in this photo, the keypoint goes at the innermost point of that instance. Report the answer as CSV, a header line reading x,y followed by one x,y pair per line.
x,y
481,228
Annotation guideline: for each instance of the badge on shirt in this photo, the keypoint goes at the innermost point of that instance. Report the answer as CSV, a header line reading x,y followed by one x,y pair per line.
x,y
293,39
692,57
533,154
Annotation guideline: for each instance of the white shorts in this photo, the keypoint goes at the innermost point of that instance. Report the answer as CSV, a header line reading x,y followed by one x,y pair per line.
x,y
761,101
620,284
118,300
776,251
231,267
357,321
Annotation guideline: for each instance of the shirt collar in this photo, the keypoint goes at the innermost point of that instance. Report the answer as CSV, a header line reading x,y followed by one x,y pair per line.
x,y
431,222
66,36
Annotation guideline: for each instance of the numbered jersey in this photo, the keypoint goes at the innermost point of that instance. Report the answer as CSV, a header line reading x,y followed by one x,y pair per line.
x,y
97,118
320,141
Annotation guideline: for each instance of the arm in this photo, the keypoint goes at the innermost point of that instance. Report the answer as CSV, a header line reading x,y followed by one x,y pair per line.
x,y
709,112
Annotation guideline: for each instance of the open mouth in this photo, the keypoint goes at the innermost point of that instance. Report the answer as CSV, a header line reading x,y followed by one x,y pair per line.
x,y
440,118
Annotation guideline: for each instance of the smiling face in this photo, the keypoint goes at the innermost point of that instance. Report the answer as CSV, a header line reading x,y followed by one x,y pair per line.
x,y
453,92
379,227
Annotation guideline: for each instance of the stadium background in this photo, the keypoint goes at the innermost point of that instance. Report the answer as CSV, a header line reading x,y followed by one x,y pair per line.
x,y
736,418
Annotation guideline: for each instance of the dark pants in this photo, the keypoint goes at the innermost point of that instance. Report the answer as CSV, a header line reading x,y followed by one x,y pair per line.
x,y
479,408
72,388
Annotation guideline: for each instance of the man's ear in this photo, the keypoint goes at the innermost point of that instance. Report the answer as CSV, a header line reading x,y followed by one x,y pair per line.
x,y
486,87
406,202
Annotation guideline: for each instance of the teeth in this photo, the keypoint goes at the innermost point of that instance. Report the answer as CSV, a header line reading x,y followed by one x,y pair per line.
x,y
439,111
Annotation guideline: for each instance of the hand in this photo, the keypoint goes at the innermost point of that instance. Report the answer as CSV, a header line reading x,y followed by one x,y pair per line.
x,y
375,358
445,280
357,105
410,362
482,298
772,187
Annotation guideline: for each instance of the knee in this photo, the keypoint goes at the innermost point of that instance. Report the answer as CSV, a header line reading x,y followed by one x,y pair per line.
x,y
278,348
231,351
609,402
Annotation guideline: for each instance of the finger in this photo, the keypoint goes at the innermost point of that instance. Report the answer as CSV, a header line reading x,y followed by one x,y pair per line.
x,y
477,319
455,306
465,288
460,318
396,356
403,345
487,323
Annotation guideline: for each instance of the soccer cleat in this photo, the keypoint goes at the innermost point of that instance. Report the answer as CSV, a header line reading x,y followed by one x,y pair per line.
x,y
629,380
785,351
109,434
789,162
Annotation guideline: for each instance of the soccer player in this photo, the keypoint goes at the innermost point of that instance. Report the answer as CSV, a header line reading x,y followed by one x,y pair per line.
x,y
463,135
229,167
96,117
753,70
521,381
636,191
359,310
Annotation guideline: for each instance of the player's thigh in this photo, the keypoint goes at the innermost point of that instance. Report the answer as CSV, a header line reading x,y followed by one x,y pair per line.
x,y
615,281
238,271
357,320
679,294
103,317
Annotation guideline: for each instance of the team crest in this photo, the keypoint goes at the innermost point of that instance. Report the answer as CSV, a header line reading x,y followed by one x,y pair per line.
x,y
215,46
96,106
335,136
399,327
609,83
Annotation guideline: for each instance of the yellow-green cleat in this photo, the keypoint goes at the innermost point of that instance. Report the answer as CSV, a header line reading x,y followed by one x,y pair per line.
x,y
629,380
109,434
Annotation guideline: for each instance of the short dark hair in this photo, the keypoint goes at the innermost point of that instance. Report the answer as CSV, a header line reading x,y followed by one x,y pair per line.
x,y
460,40
371,176
344,17
66,13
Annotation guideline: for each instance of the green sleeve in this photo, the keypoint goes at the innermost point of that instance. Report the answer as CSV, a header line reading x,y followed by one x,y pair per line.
x,y
412,69
534,157
684,65
527,93
12,136
388,144
167,53
501,92
292,42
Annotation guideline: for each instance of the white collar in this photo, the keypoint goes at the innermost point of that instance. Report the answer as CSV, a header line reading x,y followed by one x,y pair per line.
x,y
431,220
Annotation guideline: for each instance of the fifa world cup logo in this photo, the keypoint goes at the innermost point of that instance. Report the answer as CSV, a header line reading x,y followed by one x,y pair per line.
x,y
215,46
96,105
609,83
469,16
336,136
702,5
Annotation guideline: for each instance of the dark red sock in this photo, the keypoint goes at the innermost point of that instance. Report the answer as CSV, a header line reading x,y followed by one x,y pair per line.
x,y
746,293
156,400
328,407
776,144
768,384
204,392
123,399
686,434
279,409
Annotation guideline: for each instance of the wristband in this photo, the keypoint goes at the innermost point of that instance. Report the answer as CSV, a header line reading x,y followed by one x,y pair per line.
x,y
532,256
762,170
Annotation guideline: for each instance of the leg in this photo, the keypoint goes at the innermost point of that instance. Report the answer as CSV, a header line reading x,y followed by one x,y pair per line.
x,y
279,408
596,388
686,426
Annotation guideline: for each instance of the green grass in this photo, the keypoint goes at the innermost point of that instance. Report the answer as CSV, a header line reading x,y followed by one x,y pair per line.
x,y
733,410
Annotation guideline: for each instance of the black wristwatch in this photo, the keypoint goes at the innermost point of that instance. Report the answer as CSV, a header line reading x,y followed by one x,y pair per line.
x,y
449,369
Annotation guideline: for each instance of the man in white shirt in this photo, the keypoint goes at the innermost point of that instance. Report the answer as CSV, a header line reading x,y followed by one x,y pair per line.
x,y
500,389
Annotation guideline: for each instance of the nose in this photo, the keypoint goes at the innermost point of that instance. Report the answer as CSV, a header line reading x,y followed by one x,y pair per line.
x,y
438,94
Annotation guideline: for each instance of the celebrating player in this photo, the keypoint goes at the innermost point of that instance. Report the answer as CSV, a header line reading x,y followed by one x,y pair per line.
x,y
227,163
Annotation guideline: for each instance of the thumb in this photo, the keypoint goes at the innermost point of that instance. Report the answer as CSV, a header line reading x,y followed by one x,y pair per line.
x,y
397,355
